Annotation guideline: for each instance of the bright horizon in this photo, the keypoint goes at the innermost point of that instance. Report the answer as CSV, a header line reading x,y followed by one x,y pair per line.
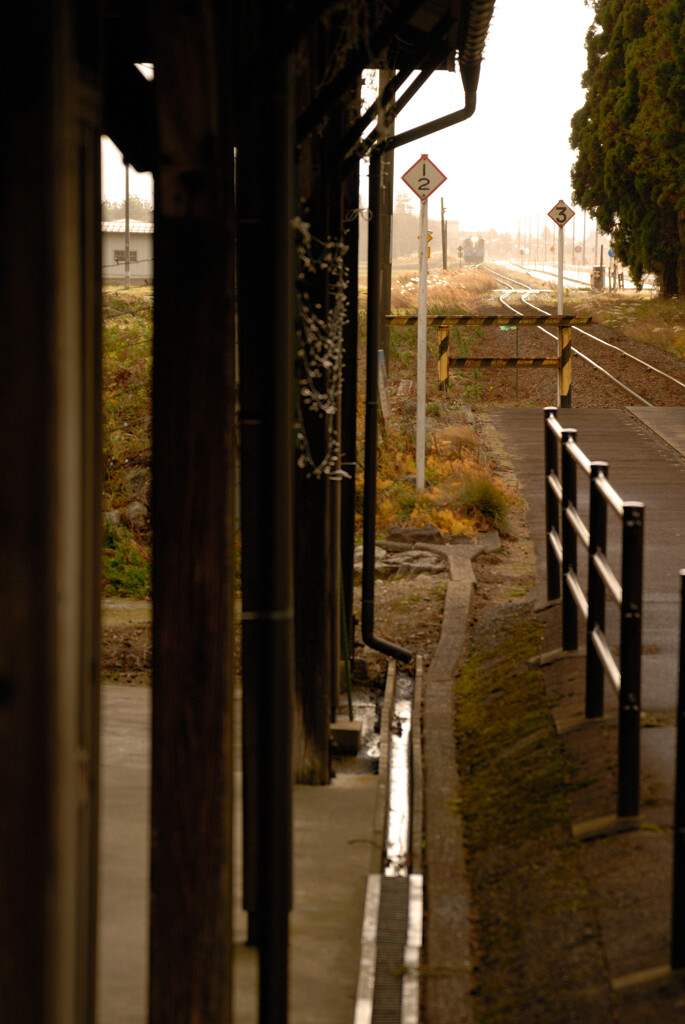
x,y
511,161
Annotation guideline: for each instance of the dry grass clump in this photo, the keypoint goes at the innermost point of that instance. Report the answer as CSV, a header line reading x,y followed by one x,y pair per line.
x,y
462,495
639,315
449,291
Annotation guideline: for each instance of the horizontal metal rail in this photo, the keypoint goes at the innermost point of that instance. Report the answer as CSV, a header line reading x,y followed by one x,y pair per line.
x,y
603,650
608,577
562,581
580,529
678,905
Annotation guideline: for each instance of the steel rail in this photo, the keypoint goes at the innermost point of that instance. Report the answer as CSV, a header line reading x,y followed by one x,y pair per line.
x,y
524,292
617,348
582,355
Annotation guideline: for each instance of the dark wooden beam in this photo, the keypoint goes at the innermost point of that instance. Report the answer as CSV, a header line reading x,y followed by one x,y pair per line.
x,y
50,525
266,291
193,495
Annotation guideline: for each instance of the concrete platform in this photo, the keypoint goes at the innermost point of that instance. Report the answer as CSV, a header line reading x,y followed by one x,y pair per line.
x,y
334,826
333,838
645,450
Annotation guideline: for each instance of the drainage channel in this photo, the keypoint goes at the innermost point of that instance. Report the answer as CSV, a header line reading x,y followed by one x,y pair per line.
x,y
398,822
392,933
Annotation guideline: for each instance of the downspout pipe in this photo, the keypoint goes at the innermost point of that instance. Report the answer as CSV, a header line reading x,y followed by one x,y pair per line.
x,y
393,650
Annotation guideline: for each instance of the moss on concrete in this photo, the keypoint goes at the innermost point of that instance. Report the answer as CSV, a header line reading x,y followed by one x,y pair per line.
x,y
535,939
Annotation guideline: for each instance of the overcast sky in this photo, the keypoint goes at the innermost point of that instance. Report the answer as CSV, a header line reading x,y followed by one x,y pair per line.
x,y
511,161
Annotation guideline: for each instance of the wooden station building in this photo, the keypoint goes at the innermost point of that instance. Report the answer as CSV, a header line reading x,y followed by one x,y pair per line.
x,y
253,131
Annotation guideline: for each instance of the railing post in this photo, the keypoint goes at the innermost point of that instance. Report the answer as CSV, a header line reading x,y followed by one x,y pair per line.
x,y
564,387
569,612
443,358
551,506
594,670
678,908
631,657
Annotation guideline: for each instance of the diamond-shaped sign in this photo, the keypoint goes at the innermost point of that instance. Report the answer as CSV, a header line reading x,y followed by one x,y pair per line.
x,y
424,177
561,213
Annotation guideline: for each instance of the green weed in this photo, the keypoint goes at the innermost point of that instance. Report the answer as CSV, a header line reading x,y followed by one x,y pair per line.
x,y
126,436
126,564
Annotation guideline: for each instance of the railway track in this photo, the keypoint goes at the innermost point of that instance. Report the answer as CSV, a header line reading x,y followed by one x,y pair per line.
x,y
608,371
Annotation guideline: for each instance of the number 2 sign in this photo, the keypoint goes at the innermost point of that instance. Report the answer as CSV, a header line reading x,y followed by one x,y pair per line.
x,y
423,177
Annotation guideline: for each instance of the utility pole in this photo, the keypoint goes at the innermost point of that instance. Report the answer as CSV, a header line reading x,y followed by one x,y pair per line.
x,y
127,236
443,233
386,127
584,220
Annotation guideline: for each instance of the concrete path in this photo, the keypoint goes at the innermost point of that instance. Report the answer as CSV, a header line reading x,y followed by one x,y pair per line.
x,y
630,873
334,825
333,839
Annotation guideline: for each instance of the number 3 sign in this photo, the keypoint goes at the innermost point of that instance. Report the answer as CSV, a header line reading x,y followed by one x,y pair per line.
x,y
424,177
561,213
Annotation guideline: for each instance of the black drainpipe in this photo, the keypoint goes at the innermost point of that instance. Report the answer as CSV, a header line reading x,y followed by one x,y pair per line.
x,y
469,75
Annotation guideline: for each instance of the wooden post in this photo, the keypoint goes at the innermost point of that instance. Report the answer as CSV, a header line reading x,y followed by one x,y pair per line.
x,y
265,198
564,377
443,358
50,532
193,495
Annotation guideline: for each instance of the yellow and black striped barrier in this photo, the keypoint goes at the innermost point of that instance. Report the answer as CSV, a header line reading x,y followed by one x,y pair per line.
x,y
444,322
490,320
502,362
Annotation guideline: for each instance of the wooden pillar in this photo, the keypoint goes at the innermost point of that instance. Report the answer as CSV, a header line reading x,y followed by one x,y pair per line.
x,y
317,539
564,379
50,530
265,191
386,128
193,495
348,457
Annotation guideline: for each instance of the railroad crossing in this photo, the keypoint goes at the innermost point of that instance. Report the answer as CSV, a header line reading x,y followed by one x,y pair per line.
x,y
444,323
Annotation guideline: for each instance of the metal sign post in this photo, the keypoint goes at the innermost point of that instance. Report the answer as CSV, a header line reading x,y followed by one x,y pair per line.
x,y
561,214
423,178
421,345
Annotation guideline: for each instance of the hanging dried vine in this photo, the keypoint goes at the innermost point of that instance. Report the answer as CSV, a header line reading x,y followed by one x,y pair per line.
x,y
320,345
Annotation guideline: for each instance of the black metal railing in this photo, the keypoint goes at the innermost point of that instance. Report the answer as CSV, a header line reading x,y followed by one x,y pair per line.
x,y
678,911
626,592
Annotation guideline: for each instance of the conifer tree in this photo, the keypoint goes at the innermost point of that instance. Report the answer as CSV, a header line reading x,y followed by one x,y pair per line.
x,y
630,169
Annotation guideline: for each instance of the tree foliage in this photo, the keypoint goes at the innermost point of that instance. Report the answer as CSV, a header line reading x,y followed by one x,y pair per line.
x,y
630,169
138,209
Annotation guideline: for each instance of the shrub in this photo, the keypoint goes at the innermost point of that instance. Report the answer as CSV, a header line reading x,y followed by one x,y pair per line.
x,y
479,496
125,563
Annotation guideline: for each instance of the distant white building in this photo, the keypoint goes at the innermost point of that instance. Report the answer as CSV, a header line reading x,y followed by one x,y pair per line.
x,y
141,251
